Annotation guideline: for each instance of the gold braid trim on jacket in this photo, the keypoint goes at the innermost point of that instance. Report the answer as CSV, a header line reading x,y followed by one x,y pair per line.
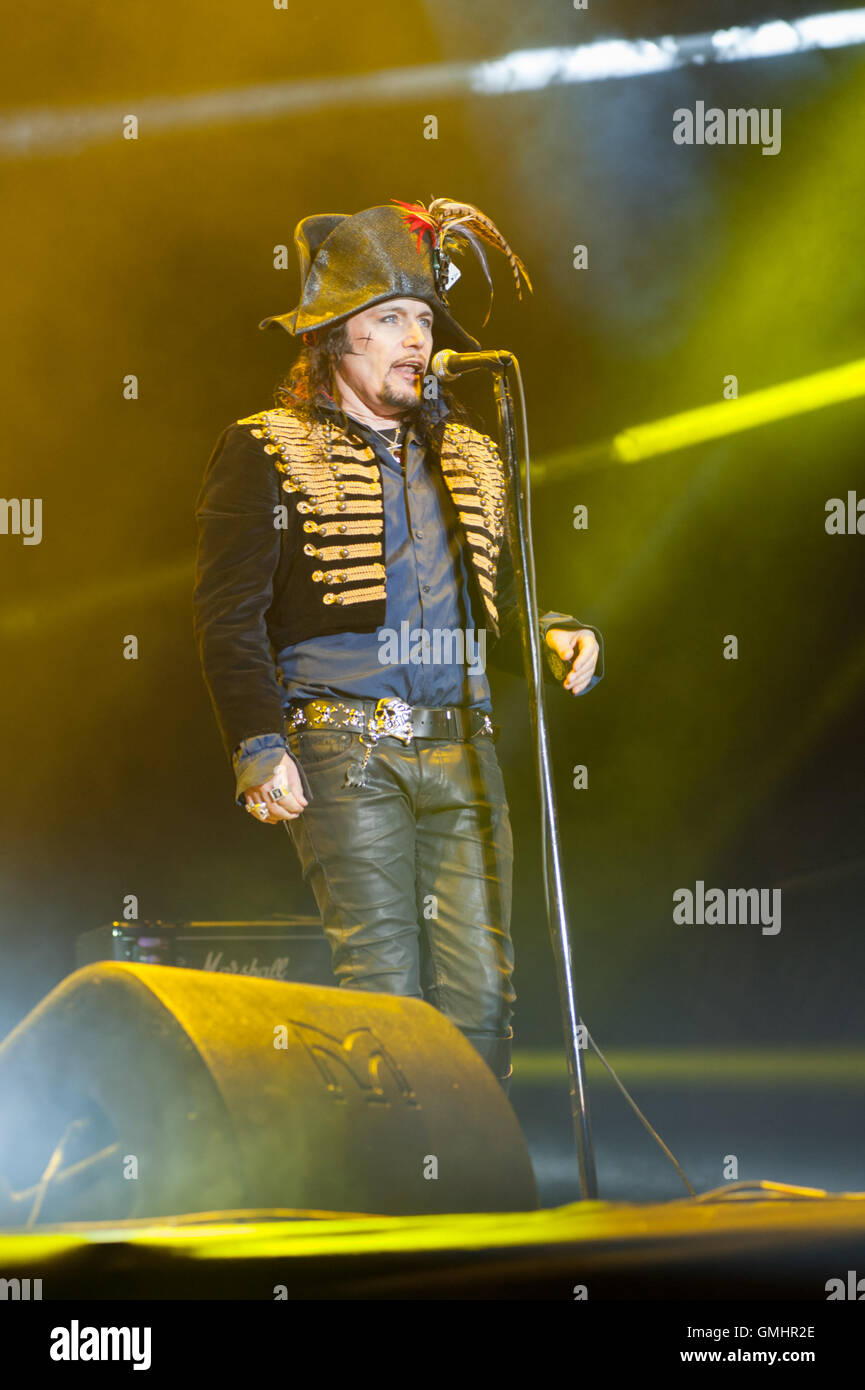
x,y
336,481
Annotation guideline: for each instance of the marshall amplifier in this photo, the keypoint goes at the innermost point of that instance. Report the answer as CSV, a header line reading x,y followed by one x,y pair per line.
x,y
294,949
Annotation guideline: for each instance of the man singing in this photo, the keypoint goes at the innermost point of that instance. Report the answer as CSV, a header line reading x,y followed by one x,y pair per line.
x,y
353,567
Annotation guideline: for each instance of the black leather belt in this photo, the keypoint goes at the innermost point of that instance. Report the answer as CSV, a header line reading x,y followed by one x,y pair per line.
x,y
389,718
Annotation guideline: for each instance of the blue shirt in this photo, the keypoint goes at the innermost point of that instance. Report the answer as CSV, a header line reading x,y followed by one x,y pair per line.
x,y
427,588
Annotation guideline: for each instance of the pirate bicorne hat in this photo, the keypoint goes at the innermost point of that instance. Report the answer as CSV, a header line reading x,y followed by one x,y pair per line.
x,y
350,262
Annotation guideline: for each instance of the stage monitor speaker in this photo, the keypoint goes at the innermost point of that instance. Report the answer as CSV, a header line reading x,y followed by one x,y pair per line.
x,y
149,1090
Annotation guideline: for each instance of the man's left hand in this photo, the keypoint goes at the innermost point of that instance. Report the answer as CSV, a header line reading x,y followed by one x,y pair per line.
x,y
582,649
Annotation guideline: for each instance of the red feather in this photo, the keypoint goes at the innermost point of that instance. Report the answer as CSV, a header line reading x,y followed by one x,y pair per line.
x,y
418,220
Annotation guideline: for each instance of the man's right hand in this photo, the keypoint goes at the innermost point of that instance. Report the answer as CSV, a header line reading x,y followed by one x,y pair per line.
x,y
288,807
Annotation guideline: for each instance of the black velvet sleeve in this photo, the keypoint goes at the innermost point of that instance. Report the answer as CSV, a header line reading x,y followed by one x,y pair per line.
x,y
239,546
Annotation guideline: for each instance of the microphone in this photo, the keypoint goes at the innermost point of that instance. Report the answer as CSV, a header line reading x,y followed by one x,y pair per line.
x,y
448,365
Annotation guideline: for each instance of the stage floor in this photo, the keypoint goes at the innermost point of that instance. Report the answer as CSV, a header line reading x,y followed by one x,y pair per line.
x,y
726,1246
794,1120
794,1116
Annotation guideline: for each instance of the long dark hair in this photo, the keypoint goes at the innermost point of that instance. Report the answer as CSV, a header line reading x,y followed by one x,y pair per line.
x,y
313,371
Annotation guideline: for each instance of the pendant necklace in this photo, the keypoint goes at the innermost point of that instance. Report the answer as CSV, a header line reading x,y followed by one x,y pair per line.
x,y
395,445
395,442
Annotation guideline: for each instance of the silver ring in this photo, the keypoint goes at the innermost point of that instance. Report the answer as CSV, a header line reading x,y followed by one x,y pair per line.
x,y
277,793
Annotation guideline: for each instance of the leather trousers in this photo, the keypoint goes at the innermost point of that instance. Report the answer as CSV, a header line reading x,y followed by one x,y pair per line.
x,y
412,874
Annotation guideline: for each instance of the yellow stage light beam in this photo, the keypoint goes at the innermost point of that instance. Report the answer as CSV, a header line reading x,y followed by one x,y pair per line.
x,y
747,412
743,413
137,587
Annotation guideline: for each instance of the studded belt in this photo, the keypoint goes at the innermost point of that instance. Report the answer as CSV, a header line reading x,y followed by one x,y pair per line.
x,y
389,718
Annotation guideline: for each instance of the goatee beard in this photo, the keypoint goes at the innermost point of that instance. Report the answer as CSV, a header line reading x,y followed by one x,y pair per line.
x,y
391,397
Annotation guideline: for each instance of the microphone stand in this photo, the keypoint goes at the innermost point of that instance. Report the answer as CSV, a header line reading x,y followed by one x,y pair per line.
x,y
557,913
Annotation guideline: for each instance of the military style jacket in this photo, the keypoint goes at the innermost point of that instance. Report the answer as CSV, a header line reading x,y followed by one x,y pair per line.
x,y
291,545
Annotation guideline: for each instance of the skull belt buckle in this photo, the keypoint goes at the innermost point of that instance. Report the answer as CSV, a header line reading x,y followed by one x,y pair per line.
x,y
391,719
